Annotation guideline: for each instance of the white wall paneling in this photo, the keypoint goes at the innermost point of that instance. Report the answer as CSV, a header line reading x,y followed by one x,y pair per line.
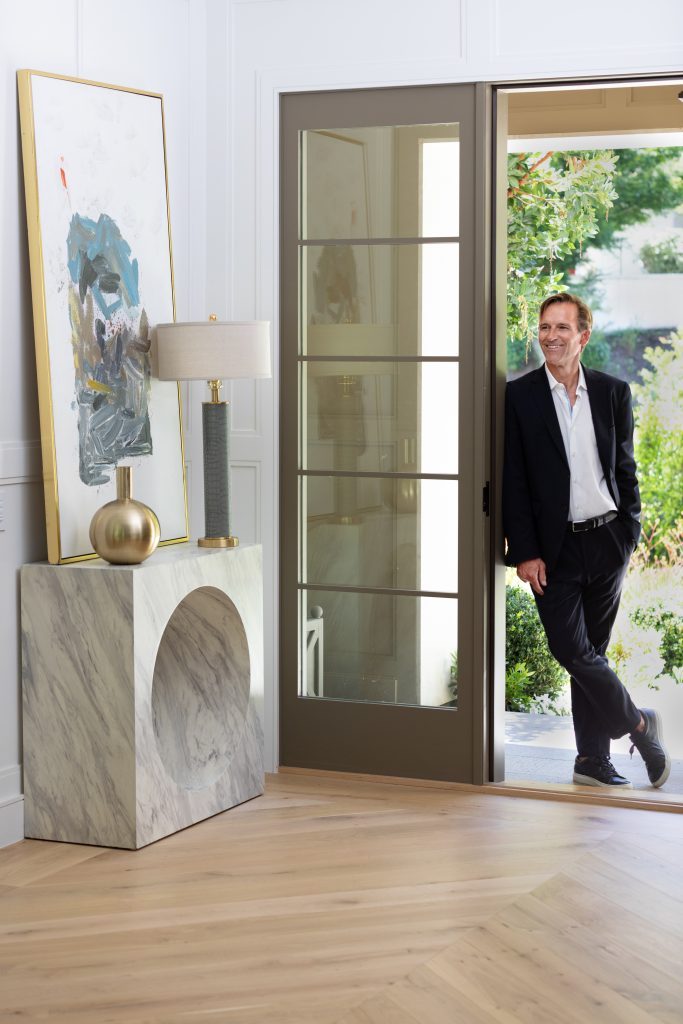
x,y
245,478
10,783
159,45
605,29
19,462
245,408
23,539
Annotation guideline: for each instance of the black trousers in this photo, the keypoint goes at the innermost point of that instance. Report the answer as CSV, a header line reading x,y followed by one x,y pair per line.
x,y
578,609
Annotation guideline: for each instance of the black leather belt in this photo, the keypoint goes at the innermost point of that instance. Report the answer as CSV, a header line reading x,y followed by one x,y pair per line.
x,y
592,524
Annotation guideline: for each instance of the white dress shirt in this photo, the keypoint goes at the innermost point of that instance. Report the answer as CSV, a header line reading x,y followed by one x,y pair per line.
x,y
588,492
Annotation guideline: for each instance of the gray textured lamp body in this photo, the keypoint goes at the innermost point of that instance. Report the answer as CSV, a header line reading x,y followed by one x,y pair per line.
x,y
216,439
214,351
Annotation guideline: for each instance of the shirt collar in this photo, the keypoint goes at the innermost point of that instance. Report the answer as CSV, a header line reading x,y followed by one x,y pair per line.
x,y
556,383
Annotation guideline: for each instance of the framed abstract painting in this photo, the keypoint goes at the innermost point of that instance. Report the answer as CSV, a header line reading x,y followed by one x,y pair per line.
x,y
101,276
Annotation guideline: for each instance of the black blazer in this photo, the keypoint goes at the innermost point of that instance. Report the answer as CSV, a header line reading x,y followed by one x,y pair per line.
x,y
536,472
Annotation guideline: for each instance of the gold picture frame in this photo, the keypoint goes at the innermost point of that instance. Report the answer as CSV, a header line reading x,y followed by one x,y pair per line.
x,y
101,262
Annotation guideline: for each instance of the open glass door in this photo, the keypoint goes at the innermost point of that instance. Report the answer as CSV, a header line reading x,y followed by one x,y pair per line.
x,y
382,524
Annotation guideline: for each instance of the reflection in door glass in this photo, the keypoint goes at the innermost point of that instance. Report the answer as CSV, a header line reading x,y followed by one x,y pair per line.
x,y
354,423
380,300
383,182
381,532
378,414
362,647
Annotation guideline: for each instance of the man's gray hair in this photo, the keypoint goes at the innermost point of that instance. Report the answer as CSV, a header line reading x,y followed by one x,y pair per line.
x,y
584,316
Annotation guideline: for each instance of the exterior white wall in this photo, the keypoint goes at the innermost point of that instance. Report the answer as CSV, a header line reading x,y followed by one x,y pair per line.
x,y
221,65
630,296
158,45
275,46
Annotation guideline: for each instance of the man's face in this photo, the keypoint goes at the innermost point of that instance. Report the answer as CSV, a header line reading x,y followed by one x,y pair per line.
x,y
560,338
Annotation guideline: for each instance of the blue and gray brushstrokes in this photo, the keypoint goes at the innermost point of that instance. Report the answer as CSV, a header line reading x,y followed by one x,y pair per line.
x,y
110,348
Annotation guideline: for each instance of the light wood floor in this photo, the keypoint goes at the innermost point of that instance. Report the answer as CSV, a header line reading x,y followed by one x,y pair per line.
x,y
335,901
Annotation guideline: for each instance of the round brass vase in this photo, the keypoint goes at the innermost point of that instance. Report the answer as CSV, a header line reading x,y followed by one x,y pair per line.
x,y
124,531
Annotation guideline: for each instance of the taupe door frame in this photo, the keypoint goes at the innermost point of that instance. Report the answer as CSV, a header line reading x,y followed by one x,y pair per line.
x,y
475,437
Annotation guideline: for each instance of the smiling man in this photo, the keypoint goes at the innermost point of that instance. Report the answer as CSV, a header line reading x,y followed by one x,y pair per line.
x,y
571,515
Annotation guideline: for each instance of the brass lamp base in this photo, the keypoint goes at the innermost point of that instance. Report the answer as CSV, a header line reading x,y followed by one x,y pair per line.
x,y
218,542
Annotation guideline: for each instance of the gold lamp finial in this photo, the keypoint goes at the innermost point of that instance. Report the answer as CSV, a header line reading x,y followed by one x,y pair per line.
x,y
215,385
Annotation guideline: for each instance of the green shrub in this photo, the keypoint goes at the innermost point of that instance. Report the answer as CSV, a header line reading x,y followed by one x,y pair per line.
x,y
669,625
659,451
663,257
533,679
597,354
453,678
518,683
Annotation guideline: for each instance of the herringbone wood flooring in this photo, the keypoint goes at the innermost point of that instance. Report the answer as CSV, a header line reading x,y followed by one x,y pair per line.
x,y
335,901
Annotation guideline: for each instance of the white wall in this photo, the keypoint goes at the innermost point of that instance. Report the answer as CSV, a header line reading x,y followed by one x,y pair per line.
x,y
158,45
221,65
274,46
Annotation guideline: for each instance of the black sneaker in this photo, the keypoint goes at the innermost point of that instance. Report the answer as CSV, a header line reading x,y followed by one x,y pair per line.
x,y
648,743
599,771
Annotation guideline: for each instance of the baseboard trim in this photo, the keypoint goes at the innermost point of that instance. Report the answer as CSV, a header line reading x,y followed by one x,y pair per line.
x,y
632,799
11,821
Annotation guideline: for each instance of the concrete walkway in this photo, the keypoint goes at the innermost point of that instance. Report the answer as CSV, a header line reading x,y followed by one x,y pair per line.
x,y
540,748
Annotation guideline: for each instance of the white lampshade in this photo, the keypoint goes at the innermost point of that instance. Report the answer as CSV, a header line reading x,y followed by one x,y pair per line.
x,y
213,350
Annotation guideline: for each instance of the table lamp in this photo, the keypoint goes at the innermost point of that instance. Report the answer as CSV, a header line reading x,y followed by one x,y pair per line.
x,y
214,351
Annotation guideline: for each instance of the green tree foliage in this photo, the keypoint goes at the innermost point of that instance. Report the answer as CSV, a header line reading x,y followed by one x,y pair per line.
x,y
558,203
659,451
647,182
533,679
669,625
555,204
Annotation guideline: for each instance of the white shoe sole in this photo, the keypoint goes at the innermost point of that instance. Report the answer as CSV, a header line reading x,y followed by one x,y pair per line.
x,y
667,766
588,780
664,776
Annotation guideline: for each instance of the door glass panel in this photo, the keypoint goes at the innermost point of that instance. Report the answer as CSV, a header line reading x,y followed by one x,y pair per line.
x,y
380,417
440,186
379,648
372,182
382,532
380,300
439,306
379,413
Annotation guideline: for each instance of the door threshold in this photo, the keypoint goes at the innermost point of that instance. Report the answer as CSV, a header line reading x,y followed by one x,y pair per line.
x,y
635,799
567,792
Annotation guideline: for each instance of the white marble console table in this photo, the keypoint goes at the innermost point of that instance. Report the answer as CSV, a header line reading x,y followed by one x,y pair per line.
x,y
143,693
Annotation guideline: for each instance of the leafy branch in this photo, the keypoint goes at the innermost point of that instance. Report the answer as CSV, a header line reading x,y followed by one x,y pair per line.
x,y
554,205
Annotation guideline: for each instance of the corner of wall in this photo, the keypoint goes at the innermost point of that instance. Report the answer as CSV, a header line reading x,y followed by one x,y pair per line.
x,y
11,806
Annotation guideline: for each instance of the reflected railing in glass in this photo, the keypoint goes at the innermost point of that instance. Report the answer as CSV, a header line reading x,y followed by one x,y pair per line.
x,y
379,648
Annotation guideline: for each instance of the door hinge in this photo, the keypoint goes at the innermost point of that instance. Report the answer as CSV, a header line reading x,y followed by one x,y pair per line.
x,y
486,499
